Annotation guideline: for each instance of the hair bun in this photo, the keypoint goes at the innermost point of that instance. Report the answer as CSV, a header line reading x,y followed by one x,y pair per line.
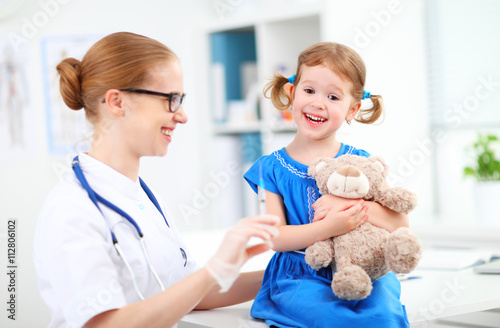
x,y
70,83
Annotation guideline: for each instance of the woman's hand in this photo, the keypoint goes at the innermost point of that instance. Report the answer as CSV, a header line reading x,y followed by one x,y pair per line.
x,y
328,203
343,221
233,251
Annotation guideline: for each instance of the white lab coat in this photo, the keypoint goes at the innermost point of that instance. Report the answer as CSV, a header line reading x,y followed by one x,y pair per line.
x,y
80,273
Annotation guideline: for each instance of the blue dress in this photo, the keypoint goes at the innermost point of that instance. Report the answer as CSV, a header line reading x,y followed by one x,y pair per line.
x,y
295,295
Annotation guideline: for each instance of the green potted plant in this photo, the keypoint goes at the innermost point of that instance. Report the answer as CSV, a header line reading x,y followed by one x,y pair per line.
x,y
487,165
486,172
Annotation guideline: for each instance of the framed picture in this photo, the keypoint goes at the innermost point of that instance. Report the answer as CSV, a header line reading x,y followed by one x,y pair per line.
x,y
67,130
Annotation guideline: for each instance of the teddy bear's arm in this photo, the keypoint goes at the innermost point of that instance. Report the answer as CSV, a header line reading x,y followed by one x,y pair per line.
x,y
397,199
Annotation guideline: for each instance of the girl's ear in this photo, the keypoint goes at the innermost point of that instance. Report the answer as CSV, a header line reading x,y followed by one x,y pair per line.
x,y
290,88
114,102
351,114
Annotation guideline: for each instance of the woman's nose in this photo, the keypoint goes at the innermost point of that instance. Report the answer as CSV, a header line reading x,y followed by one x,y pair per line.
x,y
180,116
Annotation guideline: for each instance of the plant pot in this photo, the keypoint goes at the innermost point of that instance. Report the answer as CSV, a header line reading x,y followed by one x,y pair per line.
x,y
487,202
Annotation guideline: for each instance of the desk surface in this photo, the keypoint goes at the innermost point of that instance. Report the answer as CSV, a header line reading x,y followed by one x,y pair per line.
x,y
437,294
440,294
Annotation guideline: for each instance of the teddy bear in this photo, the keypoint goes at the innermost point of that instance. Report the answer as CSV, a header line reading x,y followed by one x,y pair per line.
x,y
367,252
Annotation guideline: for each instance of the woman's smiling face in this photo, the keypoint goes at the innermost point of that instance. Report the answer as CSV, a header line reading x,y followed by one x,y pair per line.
x,y
321,101
150,125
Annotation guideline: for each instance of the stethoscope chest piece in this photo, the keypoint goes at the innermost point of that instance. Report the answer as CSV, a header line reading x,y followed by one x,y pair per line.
x,y
184,256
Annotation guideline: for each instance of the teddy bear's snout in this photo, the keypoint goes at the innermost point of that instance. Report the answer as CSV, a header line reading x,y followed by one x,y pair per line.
x,y
348,182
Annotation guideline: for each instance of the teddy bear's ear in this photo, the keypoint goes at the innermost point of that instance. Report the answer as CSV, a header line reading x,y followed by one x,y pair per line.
x,y
380,161
320,166
317,166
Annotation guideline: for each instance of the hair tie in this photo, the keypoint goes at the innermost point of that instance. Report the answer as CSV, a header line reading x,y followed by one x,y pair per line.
x,y
366,95
291,79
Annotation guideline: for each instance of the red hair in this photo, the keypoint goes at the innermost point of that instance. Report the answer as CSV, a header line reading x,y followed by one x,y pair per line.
x,y
120,60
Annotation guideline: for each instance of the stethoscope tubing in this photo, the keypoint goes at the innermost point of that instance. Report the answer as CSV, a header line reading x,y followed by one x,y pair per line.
x,y
96,199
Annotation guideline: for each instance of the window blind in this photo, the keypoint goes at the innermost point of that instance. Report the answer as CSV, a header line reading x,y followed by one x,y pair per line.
x,y
463,48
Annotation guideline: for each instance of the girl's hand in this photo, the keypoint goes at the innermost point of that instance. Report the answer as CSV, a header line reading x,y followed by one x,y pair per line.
x,y
233,252
344,221
328,203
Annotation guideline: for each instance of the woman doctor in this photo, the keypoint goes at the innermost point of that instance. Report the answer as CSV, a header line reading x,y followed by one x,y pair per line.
x,y
106,251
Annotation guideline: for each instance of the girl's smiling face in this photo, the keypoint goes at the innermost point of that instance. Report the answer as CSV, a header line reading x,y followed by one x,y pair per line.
x,y
321,102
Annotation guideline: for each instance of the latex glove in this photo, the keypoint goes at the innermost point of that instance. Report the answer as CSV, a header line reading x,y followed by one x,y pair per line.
x,y
233,252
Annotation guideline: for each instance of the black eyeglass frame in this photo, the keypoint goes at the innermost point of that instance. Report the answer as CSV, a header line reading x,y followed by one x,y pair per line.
x,y
170,96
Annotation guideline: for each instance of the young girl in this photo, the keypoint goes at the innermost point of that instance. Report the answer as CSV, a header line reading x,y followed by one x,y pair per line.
x,y
326,91
106,251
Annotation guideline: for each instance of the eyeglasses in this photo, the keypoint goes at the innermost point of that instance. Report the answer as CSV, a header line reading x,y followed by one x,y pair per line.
x,y
174,99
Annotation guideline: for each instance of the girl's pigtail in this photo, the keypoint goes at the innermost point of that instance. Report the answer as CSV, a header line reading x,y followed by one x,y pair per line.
x,y
279,95
372,114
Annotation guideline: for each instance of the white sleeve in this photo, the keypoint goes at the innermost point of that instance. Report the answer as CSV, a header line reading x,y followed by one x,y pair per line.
x,y
73,256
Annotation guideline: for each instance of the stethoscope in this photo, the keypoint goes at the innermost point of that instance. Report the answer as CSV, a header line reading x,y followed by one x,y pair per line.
x,y
96,198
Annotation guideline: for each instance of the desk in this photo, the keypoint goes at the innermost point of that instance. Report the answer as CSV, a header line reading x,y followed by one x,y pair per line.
x,y
440,294
437,294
